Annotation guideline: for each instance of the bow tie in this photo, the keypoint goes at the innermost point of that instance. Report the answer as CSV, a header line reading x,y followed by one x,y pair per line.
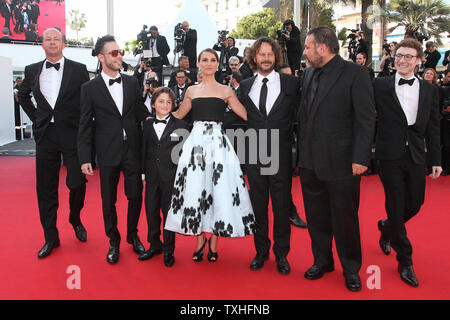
x,y
118,80
404,81
48,64
160,121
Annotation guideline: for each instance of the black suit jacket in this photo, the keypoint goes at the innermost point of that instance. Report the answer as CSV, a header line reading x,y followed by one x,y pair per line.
x,y
163,49
432,59
190,46
179,97
392,127
192,75
157,153
246,71
338,129
106,131
67,108
280,117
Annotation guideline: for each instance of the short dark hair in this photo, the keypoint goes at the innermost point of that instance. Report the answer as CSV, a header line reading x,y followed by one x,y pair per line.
x,y
411,43
100,44
181,70
275,48
326,36
237,76
363,54
181,58
160,91
153,28
284,66
234,40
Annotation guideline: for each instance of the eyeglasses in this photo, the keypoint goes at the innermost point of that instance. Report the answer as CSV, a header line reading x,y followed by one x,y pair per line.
x,y
407,57
115,53
234,65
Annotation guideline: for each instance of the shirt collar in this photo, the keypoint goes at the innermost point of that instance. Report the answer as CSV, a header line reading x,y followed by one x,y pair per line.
x,y
330,64
271,76
106,77
165,118
60,61
398,77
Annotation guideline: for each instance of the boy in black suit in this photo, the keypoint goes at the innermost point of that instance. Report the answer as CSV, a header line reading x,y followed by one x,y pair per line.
x,y
161,135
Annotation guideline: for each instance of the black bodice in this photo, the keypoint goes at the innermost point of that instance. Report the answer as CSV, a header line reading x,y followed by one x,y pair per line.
x,y
208,109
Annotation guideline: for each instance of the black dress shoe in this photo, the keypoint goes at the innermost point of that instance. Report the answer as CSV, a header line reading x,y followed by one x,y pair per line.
x,y
407,275
317,272
169,259
113,255
149,254
258,262
296,221
385,245
47,249
352,282
283,265
80,233
138,247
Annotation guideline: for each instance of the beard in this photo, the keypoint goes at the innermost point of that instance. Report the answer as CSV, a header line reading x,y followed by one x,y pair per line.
x,y
266,69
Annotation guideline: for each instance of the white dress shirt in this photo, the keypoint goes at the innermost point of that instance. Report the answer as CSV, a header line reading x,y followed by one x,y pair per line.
x,y
50,83
273,89
153,47
160,127
116,91
408,97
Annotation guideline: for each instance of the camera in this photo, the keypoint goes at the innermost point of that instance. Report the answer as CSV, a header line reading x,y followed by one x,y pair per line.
x,y
386,47
142,41
420,37
352,44
223,34
152,82
179,35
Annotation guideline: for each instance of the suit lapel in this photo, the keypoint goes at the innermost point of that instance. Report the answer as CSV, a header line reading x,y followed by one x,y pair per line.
x,y
250,101
38,92
280,97
421,107
397,103
126,94
168,128
104,90
65,80
153,134
325,86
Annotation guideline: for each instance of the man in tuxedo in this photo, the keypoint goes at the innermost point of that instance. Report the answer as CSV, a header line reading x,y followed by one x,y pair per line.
x,y
227,50
271,99
335,134
184,64
18,16
180,88
293,44
190,44
55,84
35,12
431,56
145,72
408,122
7,13
114,100
160,49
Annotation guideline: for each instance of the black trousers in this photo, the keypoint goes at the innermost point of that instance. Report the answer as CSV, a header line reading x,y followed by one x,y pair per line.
x,y
445,139
331,209
17,121
158,196
48,163
404,189
279,187
109,179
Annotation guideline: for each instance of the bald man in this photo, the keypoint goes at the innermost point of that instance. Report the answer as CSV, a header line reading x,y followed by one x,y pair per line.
x,y
190,44
55,83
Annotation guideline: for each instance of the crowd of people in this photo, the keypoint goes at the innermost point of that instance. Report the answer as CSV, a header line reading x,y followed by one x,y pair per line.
x,y
24,15
328,109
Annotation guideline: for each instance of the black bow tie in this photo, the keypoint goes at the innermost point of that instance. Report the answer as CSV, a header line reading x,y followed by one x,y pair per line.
x,y
160,121
118,80
404,81
48,64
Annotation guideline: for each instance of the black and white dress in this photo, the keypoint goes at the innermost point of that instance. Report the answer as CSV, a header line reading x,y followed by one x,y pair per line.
x,y
209,193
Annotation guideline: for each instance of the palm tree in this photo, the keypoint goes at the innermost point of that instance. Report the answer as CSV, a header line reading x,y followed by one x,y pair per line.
x,y
426,17
77,21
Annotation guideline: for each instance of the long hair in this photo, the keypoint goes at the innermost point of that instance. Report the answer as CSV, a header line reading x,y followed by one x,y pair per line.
x,y
257,45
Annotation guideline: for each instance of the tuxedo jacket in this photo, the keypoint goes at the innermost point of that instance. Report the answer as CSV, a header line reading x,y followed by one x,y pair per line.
x,y
337,129
178,96
393,131
280,117
190,44
163,49
192,75
102,125
156,156
67,108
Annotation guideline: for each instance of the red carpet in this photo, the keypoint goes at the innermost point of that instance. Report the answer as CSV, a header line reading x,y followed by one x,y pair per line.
x,y
52,14
23,276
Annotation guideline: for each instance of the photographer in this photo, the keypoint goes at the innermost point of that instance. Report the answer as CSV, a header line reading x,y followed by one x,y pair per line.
x,y
183,63
145,72
227,49
363,45
432,56
291,35
445,122
388,60
149,87
180,88
160,49
190,44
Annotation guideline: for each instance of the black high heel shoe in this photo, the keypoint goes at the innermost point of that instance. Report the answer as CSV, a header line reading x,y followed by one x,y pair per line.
x,y
197,256
212,256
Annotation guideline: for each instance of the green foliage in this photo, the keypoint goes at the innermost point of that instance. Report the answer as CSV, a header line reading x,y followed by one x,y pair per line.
x,y
77,21
429,17
342,35
130,46
259,24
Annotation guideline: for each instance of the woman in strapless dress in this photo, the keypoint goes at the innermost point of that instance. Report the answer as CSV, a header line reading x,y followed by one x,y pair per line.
x,y
209,193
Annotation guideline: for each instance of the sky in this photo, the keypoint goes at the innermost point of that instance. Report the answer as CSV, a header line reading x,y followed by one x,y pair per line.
x,y
129,17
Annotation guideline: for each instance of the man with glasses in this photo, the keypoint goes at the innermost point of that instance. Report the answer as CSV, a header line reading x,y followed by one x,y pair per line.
x,y
408,121
55,83
113,99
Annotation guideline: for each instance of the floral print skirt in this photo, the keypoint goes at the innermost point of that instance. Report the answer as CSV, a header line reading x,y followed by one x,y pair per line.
x,y
209,193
